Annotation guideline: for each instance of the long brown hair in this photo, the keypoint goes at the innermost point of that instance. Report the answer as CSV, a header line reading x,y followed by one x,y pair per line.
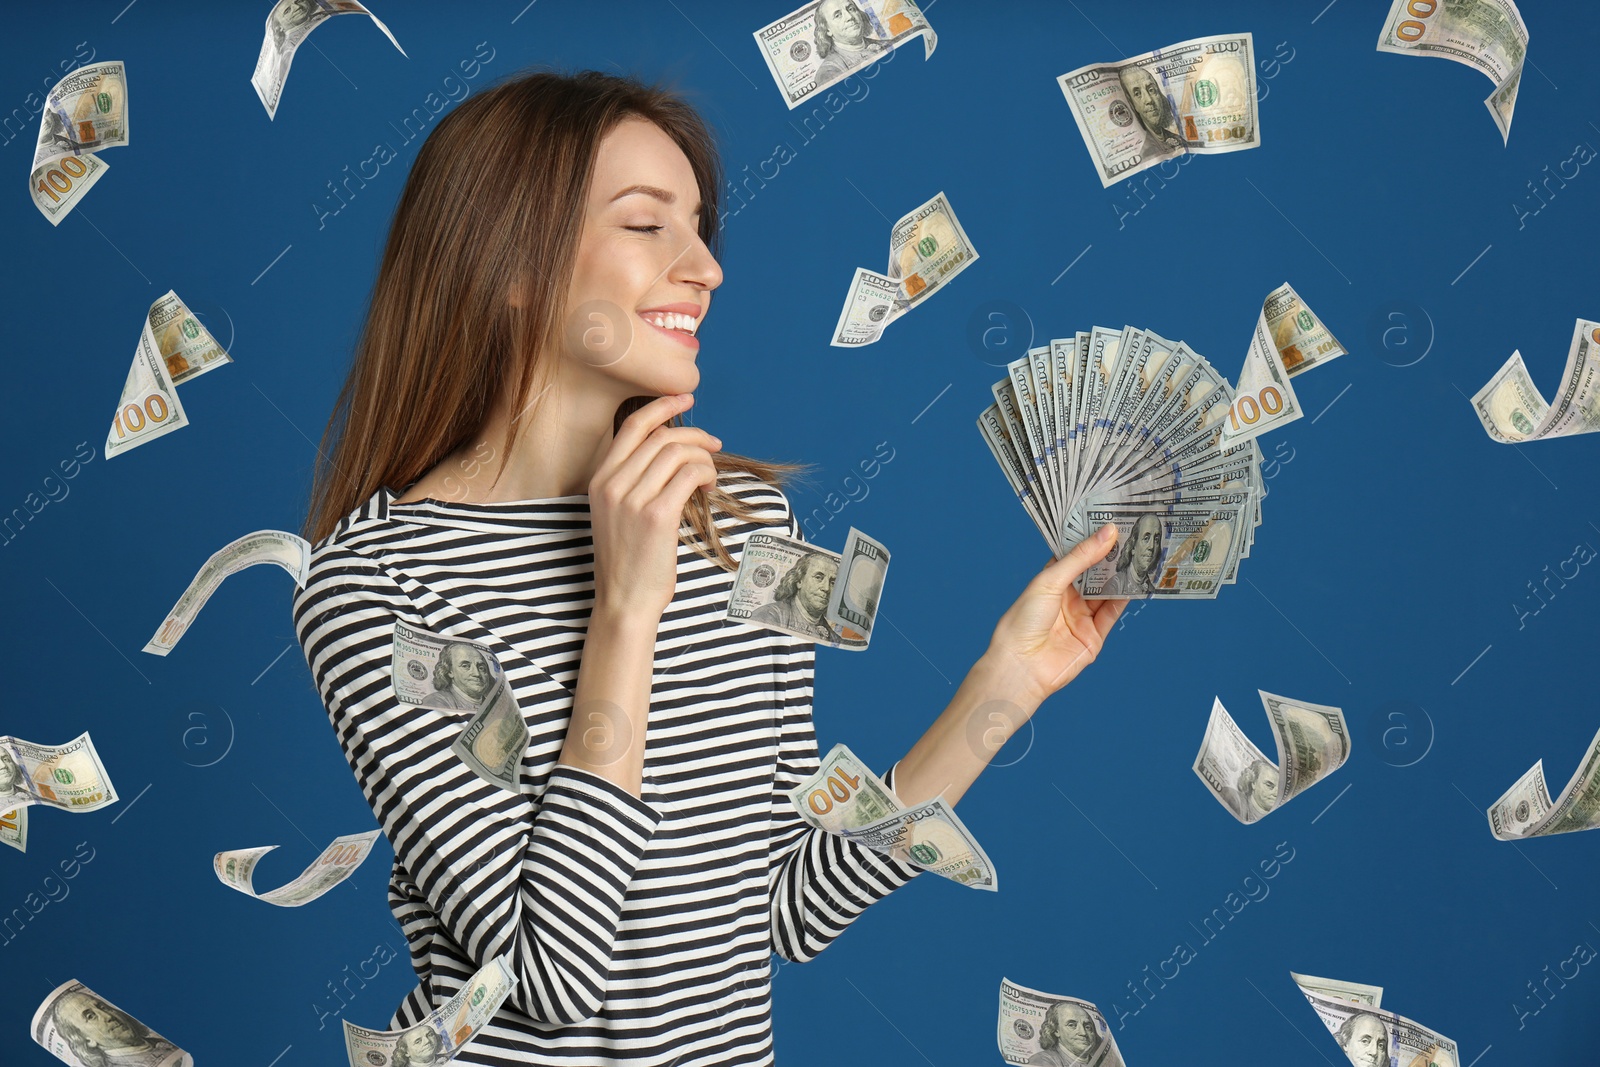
x,y
495,198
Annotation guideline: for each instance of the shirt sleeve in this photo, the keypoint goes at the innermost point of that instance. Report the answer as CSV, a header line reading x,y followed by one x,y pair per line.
x,y
818,882
541,878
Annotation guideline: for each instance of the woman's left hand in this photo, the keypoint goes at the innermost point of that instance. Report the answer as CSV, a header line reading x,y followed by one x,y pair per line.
x,y
1051,632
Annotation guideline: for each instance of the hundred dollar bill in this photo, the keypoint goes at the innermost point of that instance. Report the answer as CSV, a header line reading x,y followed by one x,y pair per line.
x,y
1264,400
1527,811
14,829
1037,1027
931,837
1372,1035
927,248
149,406
822,44
868,309
78,1028
1195,96
1488,35
70,776
843,795
445,672
1312,741
288,24
853,603
84,112
1334,989
338,861
1299,336
1171,552
439,1037
1512,410
186,346
784,585
288,551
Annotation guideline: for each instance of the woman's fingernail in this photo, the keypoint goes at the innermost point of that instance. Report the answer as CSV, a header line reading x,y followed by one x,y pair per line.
x,y
1107,533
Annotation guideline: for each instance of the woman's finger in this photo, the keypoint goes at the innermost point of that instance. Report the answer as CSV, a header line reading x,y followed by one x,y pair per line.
x,y
689,477
631,472
636,427
1106,615
1085,554
668,460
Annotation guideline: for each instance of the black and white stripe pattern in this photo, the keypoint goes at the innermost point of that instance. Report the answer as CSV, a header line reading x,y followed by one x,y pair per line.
x,y
640,929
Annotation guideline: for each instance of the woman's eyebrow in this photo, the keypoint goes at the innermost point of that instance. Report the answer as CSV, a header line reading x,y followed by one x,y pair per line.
x,y
666,196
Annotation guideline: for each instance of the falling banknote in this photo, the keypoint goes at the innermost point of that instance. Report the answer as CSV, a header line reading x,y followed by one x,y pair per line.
x,y
1288,340
1313,742
1487,35
113,1039
436,671
289,23
70,776
236,868
1527,811
86,111
438,1038
1512,410
1370,1035
1195,96
823,43
1037,1027
927,248
173,348
846,799
800,589
288,551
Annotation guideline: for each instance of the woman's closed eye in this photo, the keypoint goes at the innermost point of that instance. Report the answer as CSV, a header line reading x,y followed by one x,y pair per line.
x,y
644,229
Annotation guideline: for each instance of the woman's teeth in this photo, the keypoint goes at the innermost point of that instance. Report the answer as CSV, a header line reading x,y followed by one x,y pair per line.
x,y
671,321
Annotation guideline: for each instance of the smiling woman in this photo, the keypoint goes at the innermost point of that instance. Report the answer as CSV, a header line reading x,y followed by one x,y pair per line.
x,y
550,262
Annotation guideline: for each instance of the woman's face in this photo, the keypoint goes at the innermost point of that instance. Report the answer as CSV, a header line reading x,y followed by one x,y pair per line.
x,y
643,278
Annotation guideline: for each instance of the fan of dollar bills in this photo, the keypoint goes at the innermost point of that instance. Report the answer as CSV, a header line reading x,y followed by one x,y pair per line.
x,y
1124,426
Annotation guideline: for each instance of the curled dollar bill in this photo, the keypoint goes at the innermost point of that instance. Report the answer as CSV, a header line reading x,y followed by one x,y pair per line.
x,y
932,837
785,585
1194,96
79,1028
70,776
927,248
1333,988
1369,1034
439,1037
236,868
1040,1028
1512,409
173,347
844,794
1313,742
1487,35
289,23
85,112
824,42
1526,810
288,551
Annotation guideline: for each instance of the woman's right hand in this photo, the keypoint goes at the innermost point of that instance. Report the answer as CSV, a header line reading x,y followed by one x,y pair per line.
x,y
636,502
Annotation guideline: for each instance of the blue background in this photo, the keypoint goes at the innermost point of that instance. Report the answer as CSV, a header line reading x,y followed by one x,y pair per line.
x,y
1398,539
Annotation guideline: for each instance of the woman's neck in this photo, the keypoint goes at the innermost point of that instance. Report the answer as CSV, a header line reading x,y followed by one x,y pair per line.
x,y
560,436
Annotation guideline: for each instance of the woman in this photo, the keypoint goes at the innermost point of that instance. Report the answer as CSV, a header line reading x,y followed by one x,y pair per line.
x,y
549,262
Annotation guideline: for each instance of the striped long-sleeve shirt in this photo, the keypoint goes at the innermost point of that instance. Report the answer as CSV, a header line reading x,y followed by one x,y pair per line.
x,y
640,929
